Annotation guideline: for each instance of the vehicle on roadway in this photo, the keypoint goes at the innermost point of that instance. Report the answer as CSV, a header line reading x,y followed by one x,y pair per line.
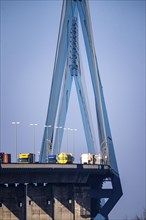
x,y
65,158
52,159
88,158
26,158
5,157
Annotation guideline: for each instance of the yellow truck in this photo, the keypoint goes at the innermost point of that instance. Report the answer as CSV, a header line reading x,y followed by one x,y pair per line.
x,y
26,158
64,158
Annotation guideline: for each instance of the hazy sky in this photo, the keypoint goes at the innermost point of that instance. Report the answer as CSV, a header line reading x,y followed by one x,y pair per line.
x,y
29,31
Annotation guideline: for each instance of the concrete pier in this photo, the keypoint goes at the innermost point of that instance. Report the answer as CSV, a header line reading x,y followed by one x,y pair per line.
x,y
50,192
12,202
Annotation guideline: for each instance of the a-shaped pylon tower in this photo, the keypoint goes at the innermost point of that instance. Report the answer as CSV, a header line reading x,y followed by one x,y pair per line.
x,y
66,68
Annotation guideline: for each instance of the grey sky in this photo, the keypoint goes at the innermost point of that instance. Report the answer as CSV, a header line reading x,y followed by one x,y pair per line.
x,y
29,31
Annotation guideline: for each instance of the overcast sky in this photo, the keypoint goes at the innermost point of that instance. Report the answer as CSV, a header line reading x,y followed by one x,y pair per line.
x,y
29,31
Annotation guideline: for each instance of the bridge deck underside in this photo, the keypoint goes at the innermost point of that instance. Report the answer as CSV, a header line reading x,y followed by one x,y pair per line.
x,y
51,173
53,192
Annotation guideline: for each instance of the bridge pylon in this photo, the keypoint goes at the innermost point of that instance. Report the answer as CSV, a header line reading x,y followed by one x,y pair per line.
x,y
66,68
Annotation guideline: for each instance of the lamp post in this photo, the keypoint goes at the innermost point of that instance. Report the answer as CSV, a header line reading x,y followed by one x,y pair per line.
x,y
58,127
48,142
16,123
34,125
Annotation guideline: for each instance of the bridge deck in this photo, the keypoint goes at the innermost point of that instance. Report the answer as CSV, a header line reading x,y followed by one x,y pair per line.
x,y
51,173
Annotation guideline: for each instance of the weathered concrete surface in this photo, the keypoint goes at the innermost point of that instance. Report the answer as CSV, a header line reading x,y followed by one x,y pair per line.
x,y
39,202
63,202
50,192
13,202
82,203
49,173
49,202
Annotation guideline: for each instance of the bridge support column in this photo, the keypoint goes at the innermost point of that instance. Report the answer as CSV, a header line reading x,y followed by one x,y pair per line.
x,y
12,202
39,202
63,202
45,202
82,203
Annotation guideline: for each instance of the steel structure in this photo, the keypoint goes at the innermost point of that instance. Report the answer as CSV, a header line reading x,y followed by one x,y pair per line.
x,y
66,68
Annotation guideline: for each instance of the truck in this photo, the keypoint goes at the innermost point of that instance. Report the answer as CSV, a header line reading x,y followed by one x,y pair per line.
x,y
5,157
52,159
26,158
65,158
98,159
87,158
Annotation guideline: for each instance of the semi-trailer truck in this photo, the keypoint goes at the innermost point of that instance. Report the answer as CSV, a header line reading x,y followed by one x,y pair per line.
x,y
5,158
26,158
64,158
52,159
88,158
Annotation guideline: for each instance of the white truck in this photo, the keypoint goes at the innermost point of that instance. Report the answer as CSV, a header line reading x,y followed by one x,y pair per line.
x,y
87,158
98,159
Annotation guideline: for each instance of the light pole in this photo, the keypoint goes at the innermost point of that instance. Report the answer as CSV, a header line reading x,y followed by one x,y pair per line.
x,y
16,123
58,127
48,142
34,125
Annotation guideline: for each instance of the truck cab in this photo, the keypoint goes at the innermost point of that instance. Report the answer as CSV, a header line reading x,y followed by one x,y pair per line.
x,y
26,158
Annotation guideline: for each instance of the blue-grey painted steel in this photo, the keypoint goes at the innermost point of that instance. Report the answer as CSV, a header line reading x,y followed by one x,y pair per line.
x,y
85,115
73,71
105,138
70,9
106,143
61,54
62,111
